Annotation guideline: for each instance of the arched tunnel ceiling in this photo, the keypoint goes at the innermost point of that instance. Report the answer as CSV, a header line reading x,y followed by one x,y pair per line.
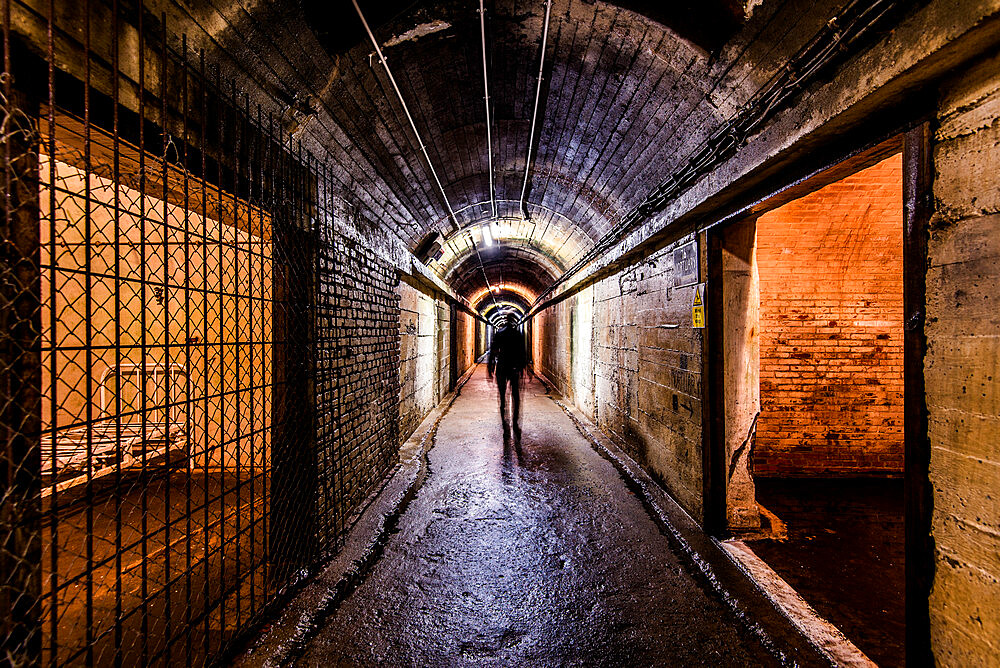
x,y
707,23
621,94
632,97
504,303
554,241
503,266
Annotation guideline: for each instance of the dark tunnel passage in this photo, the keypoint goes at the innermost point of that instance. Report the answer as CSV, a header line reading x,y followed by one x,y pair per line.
x,y
264,262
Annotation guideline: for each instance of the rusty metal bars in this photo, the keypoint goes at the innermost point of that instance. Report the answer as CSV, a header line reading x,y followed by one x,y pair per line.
x,y
158,353
20,372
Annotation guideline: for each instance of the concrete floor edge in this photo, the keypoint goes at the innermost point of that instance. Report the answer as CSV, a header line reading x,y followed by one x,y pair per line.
x,y
822,633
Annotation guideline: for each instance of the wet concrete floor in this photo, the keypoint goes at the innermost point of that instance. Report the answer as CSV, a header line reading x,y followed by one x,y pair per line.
x,y
539,557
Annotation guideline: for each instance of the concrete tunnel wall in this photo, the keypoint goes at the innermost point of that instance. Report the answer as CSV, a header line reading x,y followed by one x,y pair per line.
x,y
624,351
960,368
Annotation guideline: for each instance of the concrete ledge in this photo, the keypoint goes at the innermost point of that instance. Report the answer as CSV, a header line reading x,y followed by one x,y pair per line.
x,y
824,635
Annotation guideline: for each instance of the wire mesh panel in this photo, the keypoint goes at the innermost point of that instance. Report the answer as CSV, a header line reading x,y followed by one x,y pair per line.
x,y
158,375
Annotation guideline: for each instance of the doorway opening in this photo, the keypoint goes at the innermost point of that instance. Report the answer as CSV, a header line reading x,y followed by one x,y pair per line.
x,y
811,393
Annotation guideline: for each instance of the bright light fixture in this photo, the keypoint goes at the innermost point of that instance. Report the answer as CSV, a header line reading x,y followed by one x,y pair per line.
x,y
487,235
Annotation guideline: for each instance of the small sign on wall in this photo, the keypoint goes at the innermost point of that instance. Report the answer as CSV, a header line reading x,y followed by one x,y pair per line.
x,y
698,307
686,264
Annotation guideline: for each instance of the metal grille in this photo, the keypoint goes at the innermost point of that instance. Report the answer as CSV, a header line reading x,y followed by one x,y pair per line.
x,y
158,283
20,378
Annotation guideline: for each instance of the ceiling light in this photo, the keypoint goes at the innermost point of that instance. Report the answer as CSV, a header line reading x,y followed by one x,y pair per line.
x,y
487,235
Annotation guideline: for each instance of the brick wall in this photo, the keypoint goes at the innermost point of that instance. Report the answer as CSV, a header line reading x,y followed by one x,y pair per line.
x,y
831,336
357,373
328,364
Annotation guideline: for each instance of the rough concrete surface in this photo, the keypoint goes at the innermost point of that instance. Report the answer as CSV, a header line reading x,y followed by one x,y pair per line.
x,y
960,370
534,557
624,353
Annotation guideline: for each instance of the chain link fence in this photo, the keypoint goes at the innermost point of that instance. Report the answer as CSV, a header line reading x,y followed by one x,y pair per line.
x,y
20,379
162,482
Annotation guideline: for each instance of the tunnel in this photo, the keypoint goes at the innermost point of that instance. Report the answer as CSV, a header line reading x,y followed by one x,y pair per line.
x,y
270,268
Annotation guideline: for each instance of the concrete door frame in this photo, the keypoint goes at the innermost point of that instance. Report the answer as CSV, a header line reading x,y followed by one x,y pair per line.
x,y
915,144
918,205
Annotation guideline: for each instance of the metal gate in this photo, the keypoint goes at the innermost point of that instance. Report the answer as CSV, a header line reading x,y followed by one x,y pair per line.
x,y
157,345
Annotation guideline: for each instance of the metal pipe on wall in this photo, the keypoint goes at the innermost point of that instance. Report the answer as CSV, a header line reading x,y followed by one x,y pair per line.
x,y
489,123
416,133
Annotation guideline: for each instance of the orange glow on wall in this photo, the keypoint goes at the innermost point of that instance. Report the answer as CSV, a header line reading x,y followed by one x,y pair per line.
x,y
518,289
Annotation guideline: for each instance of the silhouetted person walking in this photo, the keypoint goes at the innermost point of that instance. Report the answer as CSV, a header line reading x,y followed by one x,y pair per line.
x,y
507,360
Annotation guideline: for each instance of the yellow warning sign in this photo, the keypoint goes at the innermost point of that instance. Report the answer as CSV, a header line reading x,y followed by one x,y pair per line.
x,y
698,307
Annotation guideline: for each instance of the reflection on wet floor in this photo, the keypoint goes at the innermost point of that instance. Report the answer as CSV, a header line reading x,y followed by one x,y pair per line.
x,y
844,554
534,554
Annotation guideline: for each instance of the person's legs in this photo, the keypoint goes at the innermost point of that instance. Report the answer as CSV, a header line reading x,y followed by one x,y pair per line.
x,y
502,379
515,400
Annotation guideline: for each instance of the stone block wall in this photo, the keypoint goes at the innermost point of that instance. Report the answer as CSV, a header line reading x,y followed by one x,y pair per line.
x,y
420,342
442,326
634,368
551,353
962,366
465,356
425,357
831,329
